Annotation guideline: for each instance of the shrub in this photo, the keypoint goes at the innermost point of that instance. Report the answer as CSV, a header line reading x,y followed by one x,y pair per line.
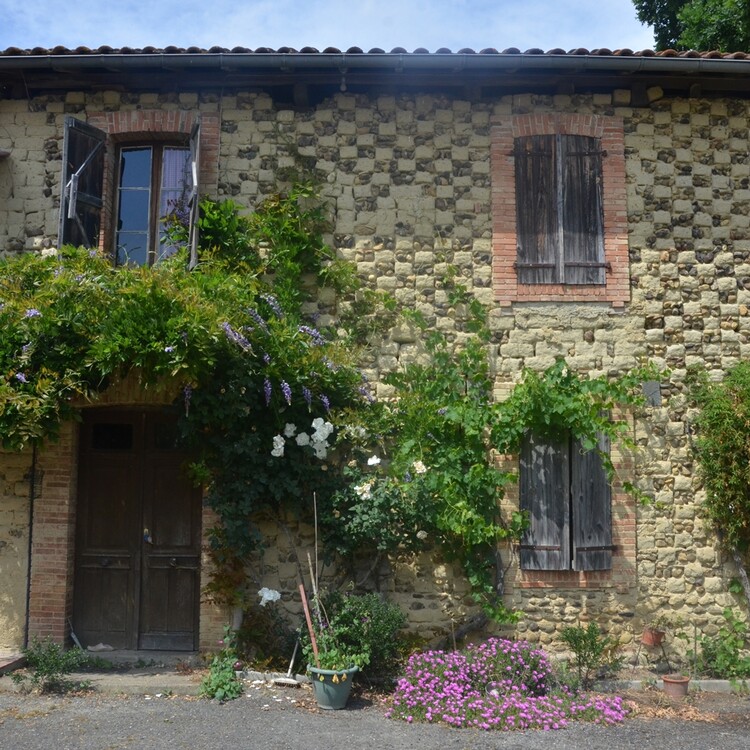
x,y
499,684
49,664
720,654
362,625
592,652
221,682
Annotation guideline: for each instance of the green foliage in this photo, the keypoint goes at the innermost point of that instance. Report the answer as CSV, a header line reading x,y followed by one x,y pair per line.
x,y
697,24
593,652
723,452
355,629
221,683
715,25
50,664
721,655
663,15
438,483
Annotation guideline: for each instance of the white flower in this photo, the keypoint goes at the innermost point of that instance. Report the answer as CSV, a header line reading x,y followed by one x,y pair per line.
x,y
278,446
290,429
373,461
363,490
268,595
317,423
320,450
421,535
419,467
302,439
322,430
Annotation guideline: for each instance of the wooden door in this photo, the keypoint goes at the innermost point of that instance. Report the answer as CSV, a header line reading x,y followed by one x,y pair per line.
x,y
138,535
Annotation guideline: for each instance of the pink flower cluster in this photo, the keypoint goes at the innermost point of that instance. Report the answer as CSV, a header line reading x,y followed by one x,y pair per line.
x,y
498,684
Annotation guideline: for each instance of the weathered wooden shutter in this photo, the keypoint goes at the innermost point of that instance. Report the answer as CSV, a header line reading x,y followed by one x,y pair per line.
x,y
580,160
592,508
195,158
82,184
544,488
536,209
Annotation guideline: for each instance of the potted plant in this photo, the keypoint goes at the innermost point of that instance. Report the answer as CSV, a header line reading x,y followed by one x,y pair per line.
x,y
655,631
347,632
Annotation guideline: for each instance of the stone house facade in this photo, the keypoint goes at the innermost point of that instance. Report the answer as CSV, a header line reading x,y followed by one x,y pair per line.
x,y
421,156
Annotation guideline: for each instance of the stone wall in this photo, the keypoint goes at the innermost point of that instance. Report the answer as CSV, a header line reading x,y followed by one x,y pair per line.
x,y
410,181
14,546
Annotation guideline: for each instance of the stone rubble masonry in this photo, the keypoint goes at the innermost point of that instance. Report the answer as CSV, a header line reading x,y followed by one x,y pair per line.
x,y
419,185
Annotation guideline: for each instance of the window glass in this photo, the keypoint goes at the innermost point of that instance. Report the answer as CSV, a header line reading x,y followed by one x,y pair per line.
x,y
154,182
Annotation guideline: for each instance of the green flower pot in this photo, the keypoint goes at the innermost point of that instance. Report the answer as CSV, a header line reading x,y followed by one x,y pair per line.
x,y
332,686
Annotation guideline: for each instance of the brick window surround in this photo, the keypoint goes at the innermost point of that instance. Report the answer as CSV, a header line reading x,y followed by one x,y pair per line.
x,y
142,126
609,131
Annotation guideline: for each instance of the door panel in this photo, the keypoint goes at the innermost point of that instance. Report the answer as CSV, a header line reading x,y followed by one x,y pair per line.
x,y
138,535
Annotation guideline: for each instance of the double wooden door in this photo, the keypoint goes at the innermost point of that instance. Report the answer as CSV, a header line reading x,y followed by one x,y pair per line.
x,y
137,582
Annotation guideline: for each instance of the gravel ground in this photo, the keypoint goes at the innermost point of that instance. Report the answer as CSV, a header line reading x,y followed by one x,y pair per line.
x,y
287,719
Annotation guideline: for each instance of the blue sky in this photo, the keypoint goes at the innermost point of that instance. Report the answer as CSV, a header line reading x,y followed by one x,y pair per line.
x,y
321,23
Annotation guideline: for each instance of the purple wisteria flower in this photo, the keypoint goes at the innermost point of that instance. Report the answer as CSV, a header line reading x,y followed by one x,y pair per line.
x,y
236,337
273,303
267,390
25,348
256,316
32,312
21,378
365,391
287,391
266,358
314,334
326,403
168,349
307,395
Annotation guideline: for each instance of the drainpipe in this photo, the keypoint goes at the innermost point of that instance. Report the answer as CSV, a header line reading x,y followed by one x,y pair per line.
x,y
32,492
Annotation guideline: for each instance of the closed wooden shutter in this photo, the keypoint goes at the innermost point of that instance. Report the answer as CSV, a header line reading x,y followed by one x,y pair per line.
x,y
544,487
82,184
536,210
591,498
195,158
583,237
559,219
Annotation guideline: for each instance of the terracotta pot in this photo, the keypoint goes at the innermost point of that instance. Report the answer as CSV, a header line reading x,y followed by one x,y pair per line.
x,y
651,637
675,685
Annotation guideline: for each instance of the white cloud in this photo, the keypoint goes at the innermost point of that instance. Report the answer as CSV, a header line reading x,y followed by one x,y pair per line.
x,y
321,23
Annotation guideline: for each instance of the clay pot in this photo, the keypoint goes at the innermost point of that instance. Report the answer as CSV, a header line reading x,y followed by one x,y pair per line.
x,y
651,637
675,685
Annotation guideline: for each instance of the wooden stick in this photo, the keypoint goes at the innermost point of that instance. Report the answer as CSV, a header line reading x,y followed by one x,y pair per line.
x,y
310,628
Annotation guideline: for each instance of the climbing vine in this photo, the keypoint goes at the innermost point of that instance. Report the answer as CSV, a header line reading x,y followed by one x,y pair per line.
x,y
722,447
271,401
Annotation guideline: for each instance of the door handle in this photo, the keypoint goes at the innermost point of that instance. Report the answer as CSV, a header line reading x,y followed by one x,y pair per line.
x,y
147,537
173,562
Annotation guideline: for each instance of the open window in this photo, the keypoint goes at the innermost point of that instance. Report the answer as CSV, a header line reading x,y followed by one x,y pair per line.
x,y
559,210
567,495
153,177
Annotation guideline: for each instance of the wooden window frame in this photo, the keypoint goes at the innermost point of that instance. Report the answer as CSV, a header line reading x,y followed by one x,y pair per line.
x,y
610,134
133,127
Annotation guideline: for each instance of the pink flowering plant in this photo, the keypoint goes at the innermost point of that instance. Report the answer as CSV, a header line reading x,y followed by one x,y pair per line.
x,y
498,684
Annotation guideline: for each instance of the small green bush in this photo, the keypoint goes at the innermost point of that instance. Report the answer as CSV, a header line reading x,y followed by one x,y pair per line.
x,y
221,683
593,652
49,664
719,655
362,624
